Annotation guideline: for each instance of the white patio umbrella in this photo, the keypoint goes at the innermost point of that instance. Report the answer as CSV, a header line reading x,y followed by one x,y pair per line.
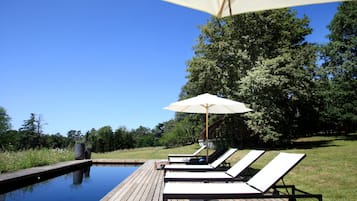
x,y
223,8
208,104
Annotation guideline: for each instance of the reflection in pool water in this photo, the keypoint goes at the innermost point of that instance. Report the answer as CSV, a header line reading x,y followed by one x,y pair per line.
x,y
91,183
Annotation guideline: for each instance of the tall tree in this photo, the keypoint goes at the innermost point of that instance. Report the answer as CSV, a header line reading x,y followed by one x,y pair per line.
x,y
74,135
30,124
281,92
229,47
105,139
340,67
4,120
269,44
29,136
90,139
119,138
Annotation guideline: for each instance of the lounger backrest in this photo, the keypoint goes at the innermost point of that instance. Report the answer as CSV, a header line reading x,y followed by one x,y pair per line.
x,y
224,157
199,150
275,170
244,162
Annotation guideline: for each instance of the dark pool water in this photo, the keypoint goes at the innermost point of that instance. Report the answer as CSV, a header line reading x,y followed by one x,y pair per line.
x,y
91,183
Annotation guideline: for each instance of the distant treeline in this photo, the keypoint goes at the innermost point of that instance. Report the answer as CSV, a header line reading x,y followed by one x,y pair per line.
x,y
30,136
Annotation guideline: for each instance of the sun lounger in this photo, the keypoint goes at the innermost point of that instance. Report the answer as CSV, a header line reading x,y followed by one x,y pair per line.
x,y
199,159
230,174
188,155
259,186
184,158
211,166
180,159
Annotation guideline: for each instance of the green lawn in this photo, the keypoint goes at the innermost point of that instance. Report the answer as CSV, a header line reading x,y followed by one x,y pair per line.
x,y
146,153
330,167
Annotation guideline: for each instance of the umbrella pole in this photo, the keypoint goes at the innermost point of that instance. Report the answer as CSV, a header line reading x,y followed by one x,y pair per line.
x,y
230,8
207,133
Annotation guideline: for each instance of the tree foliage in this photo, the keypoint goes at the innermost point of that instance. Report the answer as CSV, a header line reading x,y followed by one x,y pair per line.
x,y
261,59
30,125
102,140
229,47
4,120
339,71
178,133
281,92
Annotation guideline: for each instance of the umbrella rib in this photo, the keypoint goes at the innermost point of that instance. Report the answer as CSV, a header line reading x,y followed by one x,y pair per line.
x,y
220,11
206,105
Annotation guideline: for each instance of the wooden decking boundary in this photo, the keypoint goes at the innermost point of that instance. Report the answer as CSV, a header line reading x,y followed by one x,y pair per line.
x,y
118,161
14,180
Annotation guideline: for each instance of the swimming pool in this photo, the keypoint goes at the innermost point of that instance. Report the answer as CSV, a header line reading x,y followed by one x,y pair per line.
x,y
90,183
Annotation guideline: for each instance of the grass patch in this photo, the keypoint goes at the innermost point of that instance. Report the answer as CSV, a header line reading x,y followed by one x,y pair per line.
x,y
12,161
146,153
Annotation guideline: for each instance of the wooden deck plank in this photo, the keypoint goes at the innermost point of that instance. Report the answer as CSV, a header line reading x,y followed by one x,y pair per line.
x,y
142,189
147,184
156,180
159,186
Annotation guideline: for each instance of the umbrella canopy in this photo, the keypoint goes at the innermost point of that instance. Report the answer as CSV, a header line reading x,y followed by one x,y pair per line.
x,y
223,8
208,104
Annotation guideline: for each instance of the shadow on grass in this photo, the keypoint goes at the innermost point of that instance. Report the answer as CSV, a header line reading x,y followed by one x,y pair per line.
x,y
319,143
307,144
349,137
311,144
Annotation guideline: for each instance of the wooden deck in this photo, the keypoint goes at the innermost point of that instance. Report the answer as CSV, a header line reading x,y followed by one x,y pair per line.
x,y
146,184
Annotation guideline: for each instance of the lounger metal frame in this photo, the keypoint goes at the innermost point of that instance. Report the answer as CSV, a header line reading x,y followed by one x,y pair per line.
x,y
295,193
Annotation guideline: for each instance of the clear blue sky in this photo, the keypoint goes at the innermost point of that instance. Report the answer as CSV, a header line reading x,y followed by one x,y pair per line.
x,y
88,63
